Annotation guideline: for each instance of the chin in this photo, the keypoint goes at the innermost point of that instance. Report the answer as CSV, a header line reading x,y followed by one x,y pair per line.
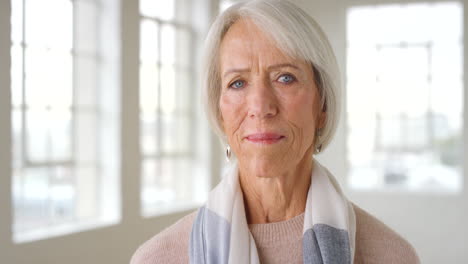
x,y
265,168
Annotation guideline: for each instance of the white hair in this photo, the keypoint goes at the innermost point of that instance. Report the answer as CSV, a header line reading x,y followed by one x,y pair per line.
x,y
297,35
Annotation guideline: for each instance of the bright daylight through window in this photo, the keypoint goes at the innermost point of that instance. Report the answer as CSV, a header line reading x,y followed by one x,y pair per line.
x,y
405,97
172,173
60,113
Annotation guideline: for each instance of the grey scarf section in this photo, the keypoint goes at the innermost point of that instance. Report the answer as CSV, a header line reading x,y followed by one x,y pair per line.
x,y
210,238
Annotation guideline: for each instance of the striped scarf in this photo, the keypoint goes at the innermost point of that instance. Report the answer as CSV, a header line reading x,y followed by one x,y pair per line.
x,y
220,233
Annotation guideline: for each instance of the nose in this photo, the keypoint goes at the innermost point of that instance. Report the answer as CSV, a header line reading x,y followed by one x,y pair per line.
x,y
263,102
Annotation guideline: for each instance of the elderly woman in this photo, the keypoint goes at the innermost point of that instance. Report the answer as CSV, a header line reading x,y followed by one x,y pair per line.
x,y
272,91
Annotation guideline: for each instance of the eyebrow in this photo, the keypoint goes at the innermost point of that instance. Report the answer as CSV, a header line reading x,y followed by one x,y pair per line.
x,y
272,67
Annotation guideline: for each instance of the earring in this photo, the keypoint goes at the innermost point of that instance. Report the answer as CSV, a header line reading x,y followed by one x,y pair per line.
x,y
228,153
319,147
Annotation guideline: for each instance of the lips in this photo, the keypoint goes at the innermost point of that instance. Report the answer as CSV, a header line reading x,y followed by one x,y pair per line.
x,y
264,138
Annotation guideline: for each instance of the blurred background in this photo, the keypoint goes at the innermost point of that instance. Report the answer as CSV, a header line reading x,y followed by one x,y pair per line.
x,y
103,140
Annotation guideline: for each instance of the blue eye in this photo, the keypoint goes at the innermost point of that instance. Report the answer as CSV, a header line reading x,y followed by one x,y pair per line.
x,y
237,84
286,78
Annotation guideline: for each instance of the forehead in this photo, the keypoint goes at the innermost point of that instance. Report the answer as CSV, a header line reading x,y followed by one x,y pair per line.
x,y
246,43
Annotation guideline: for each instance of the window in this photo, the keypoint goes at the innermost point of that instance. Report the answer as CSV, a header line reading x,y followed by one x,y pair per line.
x,y
405,96
63,119
173,176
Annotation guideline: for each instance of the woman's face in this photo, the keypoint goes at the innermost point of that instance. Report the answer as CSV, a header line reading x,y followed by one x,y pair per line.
x,y
269,102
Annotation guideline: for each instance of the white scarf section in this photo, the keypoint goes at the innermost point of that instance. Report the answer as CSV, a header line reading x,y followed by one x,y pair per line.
x,y
220,233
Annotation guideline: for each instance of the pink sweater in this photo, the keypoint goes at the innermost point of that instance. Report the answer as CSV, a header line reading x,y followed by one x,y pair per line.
x,y
281,242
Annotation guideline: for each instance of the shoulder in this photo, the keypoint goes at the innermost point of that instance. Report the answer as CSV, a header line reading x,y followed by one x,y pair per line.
x,y
378,243
169,246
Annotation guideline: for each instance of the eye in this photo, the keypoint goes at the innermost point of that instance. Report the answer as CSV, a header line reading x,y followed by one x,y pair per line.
x,y
237,84
286,78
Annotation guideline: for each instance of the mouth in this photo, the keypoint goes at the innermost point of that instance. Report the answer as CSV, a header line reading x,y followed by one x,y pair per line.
x,y
264,138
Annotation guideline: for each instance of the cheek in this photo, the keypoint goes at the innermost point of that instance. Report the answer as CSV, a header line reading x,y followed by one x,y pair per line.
x,y
302,112
231,112
304,109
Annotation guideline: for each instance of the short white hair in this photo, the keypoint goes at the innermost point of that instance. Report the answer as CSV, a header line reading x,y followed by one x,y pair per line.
x,y
297,35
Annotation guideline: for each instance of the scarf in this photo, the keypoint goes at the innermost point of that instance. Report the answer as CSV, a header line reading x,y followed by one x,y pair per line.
x,y
220,233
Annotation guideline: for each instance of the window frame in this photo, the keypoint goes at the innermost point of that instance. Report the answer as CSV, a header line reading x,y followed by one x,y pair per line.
x,y
105,211
429,115
152,210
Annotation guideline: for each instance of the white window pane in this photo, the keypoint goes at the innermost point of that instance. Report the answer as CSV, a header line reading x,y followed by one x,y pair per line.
x,y
162,9
86,31
30,202
391,133
182,182
168,91
447,61
364,61
37,77
149,94
48,23
149,85
185,93
169,129
452,14
60,134
168,183
86,127
184,48
86,96
16,22
176,134
403,63
415,30
62,195
149,194
148,133
447,98
184,134
149,45
47,73
87,192
416,131
50,200
388,28
59,73
158,189
358,30
17,135
35,20
16,75
62,198
168,44
37,135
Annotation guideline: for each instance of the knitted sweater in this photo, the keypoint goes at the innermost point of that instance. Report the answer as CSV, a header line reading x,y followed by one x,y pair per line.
x,y
281,242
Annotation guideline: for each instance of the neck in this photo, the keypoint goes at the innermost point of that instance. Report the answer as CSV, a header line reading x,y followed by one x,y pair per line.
x,y
276,197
